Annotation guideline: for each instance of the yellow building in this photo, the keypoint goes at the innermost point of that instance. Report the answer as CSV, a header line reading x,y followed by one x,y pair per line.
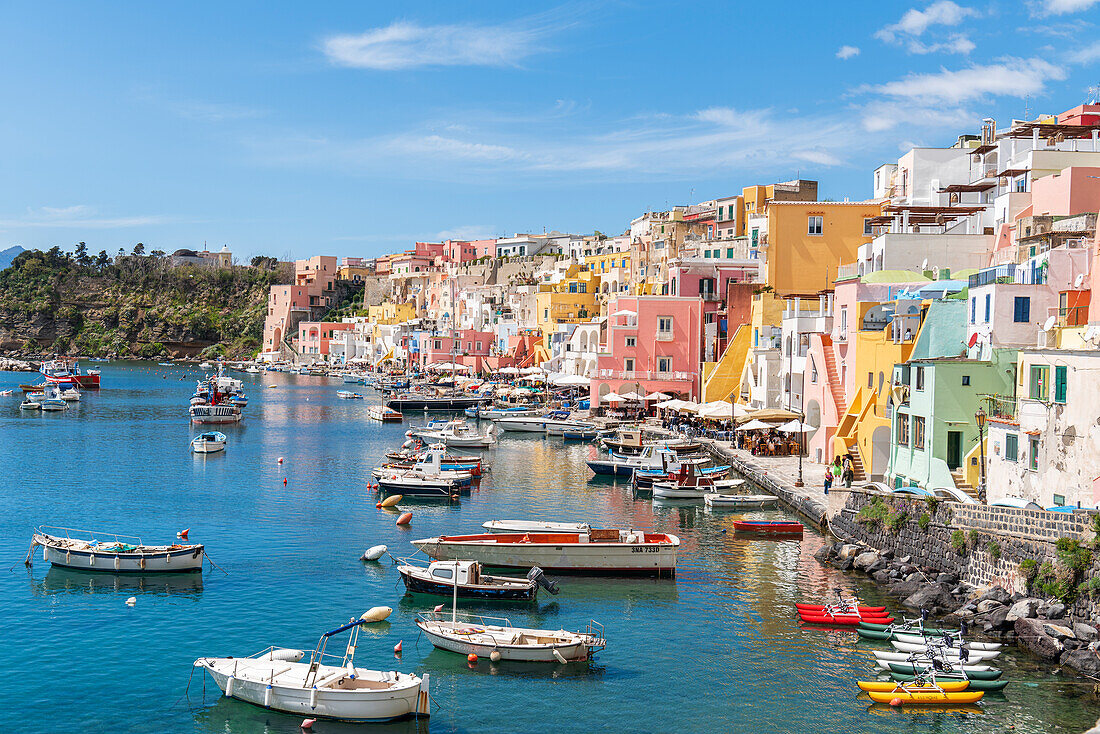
x,y
612,270
391,313
807,240
570,300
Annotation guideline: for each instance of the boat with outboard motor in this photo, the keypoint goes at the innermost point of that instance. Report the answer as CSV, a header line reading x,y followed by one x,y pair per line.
x,y
83,549
458,433
277,679
440,578
429,465
383,414
688,483
598,551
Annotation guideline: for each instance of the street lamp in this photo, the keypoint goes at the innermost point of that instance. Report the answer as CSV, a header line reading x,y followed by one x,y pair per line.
x,y
979,418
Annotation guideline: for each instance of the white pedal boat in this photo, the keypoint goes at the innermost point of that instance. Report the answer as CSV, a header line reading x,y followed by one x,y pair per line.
x,y
276,679
740,501
902,656
938,640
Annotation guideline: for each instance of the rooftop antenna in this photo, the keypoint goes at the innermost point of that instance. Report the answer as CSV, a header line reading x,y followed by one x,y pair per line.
x,y
1094,94
1027,106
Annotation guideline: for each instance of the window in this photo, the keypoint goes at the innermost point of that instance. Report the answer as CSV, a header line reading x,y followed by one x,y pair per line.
x,y
1033,453
870,380
814,225
973,309
1060,383
729,252
664,364
545,314
1060,500
966,380
918,432
919,384
438,344
903,429
631,341
1012,447
843,322
664,323
628,364
1021,309
867,231
720,210
813,370
988,305
443,573
1040,382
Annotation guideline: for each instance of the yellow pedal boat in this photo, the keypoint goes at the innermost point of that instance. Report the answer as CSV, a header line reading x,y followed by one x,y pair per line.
x,y
927,698
889,685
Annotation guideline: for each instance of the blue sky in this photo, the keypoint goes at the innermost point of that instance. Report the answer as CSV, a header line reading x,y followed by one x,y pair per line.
x,y
355,128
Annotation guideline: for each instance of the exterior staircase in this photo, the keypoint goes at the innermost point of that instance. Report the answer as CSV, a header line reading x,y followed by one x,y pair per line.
x,y
830,372
959,475
857,464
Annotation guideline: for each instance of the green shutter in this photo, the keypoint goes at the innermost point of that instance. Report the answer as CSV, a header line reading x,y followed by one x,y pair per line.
x,y
1060,383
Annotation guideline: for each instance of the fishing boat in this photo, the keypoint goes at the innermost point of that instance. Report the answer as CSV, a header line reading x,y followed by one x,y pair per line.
x,y
601,552
460,433
584,434
440,577
408,482
67,370
927,697
429,465
215,414
740,501
689,483
383,414
769,527
535,526
630,441
277,679
85,550
651,458
349,395
479,635
408,458
208,443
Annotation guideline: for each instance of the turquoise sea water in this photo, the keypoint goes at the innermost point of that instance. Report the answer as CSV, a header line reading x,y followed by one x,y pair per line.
x,y
717,649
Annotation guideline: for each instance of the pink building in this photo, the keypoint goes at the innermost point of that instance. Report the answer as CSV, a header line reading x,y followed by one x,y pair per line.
x,y
652,344
314,337
711,281
1075,190
467,346
288,305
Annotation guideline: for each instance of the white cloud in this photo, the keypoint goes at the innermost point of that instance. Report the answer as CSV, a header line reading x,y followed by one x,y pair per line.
x,y
1086,55
956,44
847,52
1062,7
883,115
407,45
1010,77
78,216
915,22
468,232
820,157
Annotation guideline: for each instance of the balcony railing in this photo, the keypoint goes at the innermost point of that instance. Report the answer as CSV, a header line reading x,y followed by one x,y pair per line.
x,y
644,375
665,336
1069,315
1000,407
847,271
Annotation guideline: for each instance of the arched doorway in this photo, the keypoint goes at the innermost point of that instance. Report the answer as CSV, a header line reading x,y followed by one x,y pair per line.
x,y
880,452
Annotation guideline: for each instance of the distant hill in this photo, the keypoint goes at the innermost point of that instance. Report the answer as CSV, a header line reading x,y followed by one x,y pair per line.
x,y
6,256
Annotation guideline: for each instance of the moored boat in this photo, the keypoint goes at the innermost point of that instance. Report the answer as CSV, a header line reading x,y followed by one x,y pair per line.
x,y
603,551
277,679
927,697
769,527
534,526
384,414
479,635
740,501
441,578
349,395
209,442
885,686
120,554
215,414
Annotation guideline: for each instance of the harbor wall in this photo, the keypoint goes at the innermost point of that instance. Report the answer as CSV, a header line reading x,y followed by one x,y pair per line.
x,y
810,508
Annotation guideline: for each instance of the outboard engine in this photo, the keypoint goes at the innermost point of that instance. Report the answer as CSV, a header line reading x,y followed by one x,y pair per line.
x,y
536,574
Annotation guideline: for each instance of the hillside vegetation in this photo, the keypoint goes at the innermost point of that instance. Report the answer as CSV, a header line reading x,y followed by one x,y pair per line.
x,y
133,305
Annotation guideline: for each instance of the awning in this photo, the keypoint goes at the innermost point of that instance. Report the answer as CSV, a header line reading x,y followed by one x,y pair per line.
x,y
753,426
657,396
797,426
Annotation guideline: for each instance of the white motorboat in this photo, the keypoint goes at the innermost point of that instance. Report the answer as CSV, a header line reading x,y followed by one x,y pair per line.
x,y
205,365
68,393
349,395
215,414
383,414
598,551
558,426
277,679
460,433
429,466
689,483
253,370
52,403
522,424
29,404
114,553
498,413
440,577
482,636
534,526
208,443
740,501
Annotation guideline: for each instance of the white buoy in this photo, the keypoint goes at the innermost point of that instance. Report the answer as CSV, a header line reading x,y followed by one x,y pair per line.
x,y
558,657
376,614
408,434
131,601
375,552
229,686
494,656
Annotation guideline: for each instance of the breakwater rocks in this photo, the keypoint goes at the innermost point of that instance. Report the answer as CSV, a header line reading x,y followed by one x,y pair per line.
x,y
16,365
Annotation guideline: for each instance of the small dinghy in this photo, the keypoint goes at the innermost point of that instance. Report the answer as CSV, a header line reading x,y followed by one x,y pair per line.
x,y
29,404
349,395
441,577
208,443
276,679
740,501
482,636
769,527
83,550
534,526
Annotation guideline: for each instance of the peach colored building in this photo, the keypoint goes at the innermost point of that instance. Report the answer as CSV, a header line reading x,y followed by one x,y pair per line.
x,y
651,344
309,297
314,337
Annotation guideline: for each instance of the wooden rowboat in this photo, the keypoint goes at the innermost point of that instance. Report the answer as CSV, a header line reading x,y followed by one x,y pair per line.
x,y
769,527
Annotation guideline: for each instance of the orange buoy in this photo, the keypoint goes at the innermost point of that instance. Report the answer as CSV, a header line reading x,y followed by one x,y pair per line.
x,y
405,518
397,648
471,658
280,460
438,608
308,723
895,701
284,481
182,535
378,506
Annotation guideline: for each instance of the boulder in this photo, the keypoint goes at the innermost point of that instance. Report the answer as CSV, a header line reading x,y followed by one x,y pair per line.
x,y
947,578
881,576
1022,609
865,560
842,564
1055,611
823,553
998,618
1085,632
905,588
931,597
1058,631
1030,634
997,594
988,605
879,565
848,551
1083,661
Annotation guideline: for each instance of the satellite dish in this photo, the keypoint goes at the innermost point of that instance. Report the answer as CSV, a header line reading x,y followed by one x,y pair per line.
x,y
1049,323
1078,280
973,340
924,265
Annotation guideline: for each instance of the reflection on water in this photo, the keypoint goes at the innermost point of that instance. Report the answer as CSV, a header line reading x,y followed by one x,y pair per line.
x,y
717,648
232,716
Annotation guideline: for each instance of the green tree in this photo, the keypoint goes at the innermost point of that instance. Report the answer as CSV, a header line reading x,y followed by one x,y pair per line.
x,y
82,255
139,249
102,260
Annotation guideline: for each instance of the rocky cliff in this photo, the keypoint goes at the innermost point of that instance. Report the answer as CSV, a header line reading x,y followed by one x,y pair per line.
x,y
134,305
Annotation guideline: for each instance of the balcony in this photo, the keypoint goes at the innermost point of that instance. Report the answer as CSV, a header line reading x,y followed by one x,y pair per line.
x,y
665,336
710,296
645,375
1000,407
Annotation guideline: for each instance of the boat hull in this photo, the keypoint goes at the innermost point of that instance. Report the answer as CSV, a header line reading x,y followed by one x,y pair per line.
x,y
429,404
188,559
484,592
572,652
215,414
570,558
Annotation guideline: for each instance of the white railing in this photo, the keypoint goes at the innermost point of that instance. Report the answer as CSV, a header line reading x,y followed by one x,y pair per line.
x,y
665,336
644,375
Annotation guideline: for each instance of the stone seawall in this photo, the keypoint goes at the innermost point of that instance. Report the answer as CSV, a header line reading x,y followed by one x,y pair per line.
x,y
794,498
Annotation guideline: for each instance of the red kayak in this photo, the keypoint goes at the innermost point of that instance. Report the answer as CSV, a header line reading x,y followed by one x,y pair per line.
x,y
769,527
843,619
836,609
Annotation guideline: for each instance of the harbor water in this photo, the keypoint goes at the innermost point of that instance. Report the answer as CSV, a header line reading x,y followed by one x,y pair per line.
x,y
718,648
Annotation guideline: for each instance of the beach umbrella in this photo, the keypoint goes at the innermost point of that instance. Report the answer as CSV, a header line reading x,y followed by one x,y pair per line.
x,y
673,404
612,397
753,426
657,396
531,370
632,396
796,426
719,410
508,371
533,378
572,380
625,312
687,405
